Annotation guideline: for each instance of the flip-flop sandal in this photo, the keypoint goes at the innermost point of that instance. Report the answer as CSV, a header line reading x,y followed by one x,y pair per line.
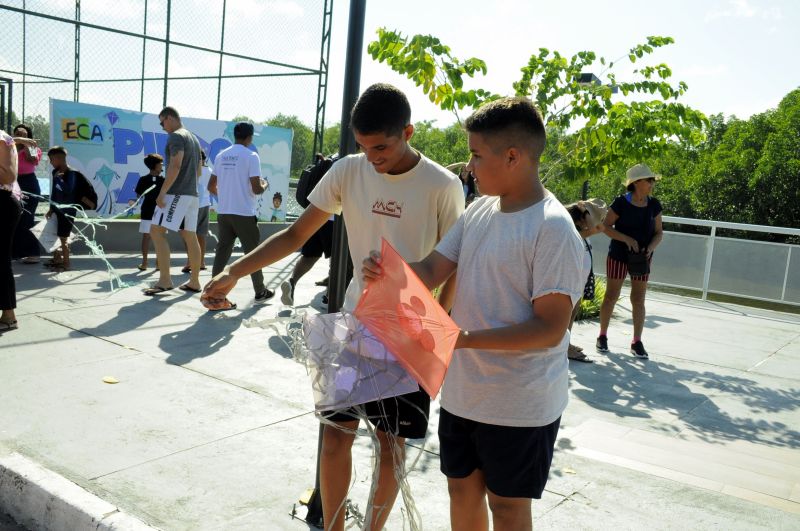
x,y
155,290
187,287
141,268
581,357
186,269
5,326
229,306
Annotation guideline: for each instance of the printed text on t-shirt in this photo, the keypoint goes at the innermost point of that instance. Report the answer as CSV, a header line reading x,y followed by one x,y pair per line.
x,y
387,208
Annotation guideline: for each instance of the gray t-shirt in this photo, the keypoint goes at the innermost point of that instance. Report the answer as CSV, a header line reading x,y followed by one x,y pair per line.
x,y
505,262
186,182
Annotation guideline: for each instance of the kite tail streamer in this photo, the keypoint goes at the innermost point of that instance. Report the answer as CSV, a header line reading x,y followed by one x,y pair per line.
x,y
91,224
290,331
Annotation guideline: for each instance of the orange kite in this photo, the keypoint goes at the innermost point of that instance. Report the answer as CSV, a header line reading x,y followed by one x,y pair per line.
x,y
400,311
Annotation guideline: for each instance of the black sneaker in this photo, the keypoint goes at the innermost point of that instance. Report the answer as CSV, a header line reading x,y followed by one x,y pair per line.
x,y
602,344
265,295
637,349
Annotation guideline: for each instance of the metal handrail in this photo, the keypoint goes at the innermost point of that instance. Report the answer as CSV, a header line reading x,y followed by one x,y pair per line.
x,y
732,226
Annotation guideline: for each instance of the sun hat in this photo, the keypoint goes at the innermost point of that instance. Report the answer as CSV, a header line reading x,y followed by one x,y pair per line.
x,y
639,172
597,210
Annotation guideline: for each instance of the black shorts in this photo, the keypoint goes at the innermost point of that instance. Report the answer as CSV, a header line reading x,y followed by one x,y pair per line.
x,y
515,461
404,416
320,242
66,220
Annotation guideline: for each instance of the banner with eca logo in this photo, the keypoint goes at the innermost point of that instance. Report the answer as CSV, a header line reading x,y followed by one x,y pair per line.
x,y
108,146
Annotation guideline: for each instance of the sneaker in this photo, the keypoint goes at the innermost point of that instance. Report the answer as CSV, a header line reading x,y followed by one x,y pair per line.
x,y
602,344
287,293
637,349
264,295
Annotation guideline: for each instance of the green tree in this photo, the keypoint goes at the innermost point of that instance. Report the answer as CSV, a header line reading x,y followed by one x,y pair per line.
x,y
607,131
302,141
445,146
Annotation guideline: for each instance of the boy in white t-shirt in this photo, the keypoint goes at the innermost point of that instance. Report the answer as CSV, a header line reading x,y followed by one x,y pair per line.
x,y
520,263
389,190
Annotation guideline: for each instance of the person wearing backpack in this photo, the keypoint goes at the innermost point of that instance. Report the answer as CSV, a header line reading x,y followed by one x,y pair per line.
x,y
321,242
69,188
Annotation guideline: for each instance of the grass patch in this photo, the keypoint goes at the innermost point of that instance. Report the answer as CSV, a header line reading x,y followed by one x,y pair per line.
x,y
591,308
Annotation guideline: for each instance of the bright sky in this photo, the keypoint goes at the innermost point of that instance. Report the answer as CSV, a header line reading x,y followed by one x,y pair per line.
x,y
737,56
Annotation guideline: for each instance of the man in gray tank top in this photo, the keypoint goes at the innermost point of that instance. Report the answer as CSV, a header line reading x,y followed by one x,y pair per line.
x,y
177,204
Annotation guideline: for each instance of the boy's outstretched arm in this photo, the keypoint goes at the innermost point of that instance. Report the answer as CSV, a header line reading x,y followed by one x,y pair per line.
x,y
433,270
277,246
545,329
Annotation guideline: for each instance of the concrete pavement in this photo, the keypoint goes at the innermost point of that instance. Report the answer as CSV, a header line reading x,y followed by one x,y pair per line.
x,y
211,423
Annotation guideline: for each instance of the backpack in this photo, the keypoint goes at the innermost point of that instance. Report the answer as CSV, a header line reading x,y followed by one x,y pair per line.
x,y
311,175
84,191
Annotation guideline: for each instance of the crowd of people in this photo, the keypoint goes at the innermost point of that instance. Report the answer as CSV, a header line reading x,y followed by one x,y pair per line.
x,y
510,261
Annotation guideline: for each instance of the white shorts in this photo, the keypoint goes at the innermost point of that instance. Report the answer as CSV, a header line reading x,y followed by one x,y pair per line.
x,y
180,210
144,226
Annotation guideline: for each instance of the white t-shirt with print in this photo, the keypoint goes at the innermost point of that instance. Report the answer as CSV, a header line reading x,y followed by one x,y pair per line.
x,y
203,195
506,261
412,210
233,167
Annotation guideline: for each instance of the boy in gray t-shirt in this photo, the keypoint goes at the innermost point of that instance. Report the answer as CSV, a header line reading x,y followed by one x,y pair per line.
x,y
519,266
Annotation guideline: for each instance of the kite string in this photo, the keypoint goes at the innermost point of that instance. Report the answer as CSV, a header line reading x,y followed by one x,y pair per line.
x,y
289,330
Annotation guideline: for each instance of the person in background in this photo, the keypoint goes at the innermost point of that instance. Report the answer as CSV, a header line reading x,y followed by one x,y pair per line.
x,y
634,225
237,183
10,212
26,246
150,186
467,181
177,204
588,218
204,198
63,198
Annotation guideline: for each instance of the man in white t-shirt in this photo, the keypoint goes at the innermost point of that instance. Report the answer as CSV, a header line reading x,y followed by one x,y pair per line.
x,y
390,190
237,183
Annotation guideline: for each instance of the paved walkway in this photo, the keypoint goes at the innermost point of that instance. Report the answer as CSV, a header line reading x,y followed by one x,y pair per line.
x,y
211,425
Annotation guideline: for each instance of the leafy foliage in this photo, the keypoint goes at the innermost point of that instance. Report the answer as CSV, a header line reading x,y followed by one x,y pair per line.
x,y
607,131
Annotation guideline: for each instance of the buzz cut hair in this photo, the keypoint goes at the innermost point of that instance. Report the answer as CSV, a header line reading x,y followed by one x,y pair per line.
x,y
382,108
56,150
510,122
169,112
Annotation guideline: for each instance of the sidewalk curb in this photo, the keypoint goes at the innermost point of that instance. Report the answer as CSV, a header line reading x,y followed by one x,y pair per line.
x,y
38,498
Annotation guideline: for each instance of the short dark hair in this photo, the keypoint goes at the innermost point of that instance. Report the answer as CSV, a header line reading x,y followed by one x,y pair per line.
x,y
631,187
23,126
171,112
152,159
382,108
56,150
510,122
243,130
277,196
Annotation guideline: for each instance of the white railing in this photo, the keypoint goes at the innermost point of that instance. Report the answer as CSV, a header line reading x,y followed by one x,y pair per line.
x,y
727,266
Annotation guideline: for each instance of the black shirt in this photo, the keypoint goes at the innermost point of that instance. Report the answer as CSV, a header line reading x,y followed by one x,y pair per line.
x,y
149,201
637,222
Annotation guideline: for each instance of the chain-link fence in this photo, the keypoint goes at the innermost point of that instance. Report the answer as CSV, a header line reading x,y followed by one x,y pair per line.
x,y
208,58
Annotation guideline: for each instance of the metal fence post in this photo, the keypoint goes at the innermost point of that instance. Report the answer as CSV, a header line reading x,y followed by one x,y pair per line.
x,y
709,258
221,49
166,53
340,258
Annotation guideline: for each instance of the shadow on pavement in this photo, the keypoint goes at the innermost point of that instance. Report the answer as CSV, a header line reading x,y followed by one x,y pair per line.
x,y
633,388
